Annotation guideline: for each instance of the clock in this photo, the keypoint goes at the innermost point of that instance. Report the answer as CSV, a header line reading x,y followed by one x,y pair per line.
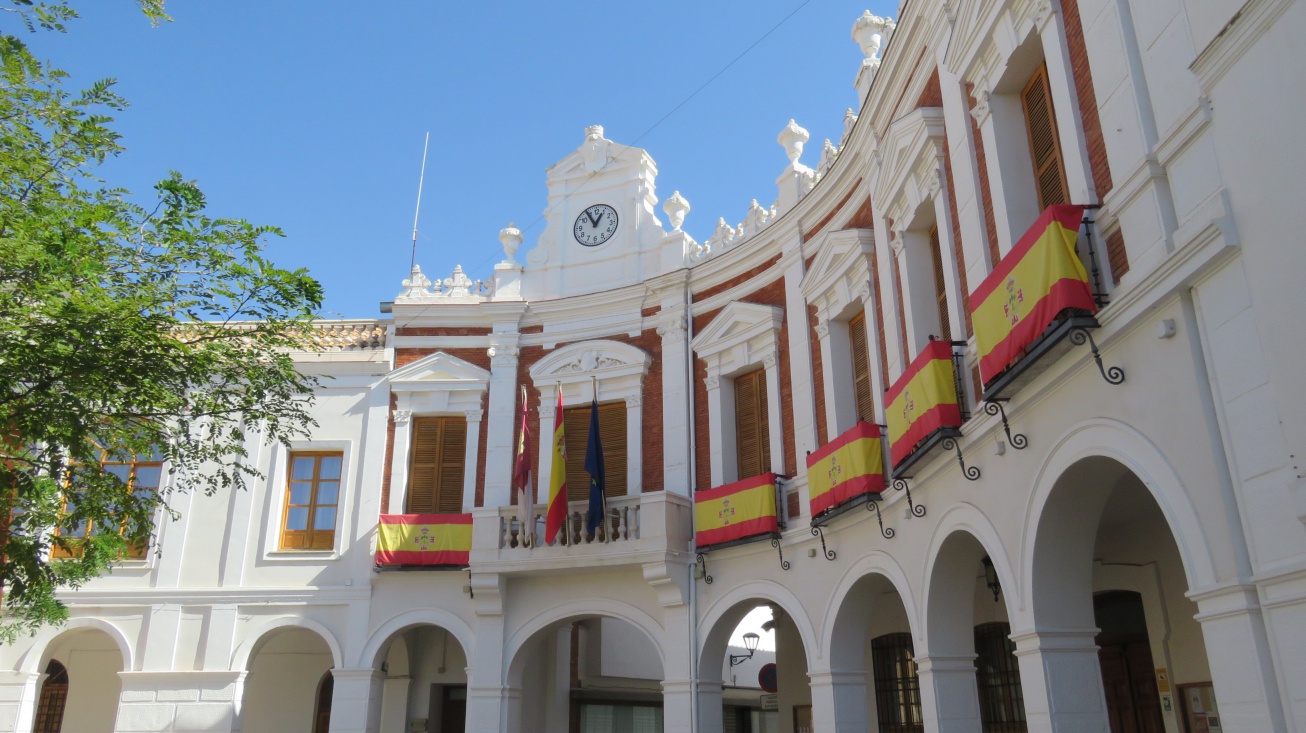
x,y
595,225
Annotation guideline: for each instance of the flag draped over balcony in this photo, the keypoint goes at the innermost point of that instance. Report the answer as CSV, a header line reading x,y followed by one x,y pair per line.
x,y
521,476
734,511
424,539
923,400
557,510
848,466
594,467
1040,277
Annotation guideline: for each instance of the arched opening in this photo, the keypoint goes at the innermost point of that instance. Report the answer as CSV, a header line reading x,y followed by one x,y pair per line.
x,y
284,687
322,710
768,692
1106,561
872,641
425,681
974,676
80,692
588,674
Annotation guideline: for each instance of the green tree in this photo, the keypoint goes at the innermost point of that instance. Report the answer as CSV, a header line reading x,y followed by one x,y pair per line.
x,y
125,330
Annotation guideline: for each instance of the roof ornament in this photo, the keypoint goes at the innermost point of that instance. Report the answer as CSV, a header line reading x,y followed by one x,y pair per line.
x,y
792,138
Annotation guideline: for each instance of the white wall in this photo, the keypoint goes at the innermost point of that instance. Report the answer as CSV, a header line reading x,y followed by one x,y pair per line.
x,y
281,688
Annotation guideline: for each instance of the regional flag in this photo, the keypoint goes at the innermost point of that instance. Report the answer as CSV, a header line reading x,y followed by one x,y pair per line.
x,y
923,400
521,476
556,513
848,466
742,509
424,539
594,467
1040,277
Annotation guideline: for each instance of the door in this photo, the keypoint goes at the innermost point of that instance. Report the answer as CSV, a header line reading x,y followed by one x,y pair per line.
x,y
453,713
1128,676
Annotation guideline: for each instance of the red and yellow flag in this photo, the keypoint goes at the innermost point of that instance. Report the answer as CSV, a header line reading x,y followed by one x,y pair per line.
x,y
424,539
557,511
850,465
737,510
923,400
1041,276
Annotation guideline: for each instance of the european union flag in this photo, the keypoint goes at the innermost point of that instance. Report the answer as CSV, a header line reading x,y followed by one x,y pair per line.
x,y
594,467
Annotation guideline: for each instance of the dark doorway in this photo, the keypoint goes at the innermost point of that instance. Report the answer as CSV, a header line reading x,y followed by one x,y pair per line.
x,y
322,710
54,695
1128,675
453,713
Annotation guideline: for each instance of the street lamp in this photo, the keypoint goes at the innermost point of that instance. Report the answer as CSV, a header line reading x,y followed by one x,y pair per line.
x,y
750,643
991,577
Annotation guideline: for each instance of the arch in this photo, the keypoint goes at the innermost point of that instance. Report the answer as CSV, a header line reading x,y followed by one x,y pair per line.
x,y
839,626
240,659
946,575
725,613
376,643
588,608
598,356
31,660
1133,451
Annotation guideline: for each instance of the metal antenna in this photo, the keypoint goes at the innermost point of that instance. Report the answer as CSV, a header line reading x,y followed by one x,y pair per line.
x,y
421,179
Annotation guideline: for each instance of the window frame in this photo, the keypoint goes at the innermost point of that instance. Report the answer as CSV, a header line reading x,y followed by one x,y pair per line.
x,y
438,494
761,460
898,705
286,506
1056,157
615,461
135,553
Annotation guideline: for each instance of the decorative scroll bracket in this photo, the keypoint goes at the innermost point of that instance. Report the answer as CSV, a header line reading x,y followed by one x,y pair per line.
x,y
816,531
917,510
873,505
970,472
1113,375
471,589
775,542
1017,440
702,562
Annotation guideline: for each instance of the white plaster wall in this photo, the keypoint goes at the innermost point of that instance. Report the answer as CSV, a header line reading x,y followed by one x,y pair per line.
x,y
281,688
93,663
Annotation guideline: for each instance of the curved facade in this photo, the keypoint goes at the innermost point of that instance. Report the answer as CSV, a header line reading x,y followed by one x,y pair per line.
x,y
1109,538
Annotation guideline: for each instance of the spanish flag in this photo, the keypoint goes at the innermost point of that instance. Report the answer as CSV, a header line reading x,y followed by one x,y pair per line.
x,y
557,511
742,509
424,539
848,466
1040,277
923,400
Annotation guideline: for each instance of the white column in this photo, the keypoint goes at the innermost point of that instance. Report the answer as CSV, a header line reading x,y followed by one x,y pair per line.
x,y
675,404
1242,668
878,384
949,694
18,693
557,688
544,444
677,653
501,423
801,378
403,442
717,396
1061,679
634,445
965,176
490,704
889,299
774,415
830,375
470,454
710,701
1065,104
356,701
394,702
839,702
951,272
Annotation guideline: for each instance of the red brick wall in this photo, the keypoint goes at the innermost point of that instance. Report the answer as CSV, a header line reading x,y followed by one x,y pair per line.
x,y
732,282
830,215
956,237
818,375
863,218
389,456
932,96
986,197
442,331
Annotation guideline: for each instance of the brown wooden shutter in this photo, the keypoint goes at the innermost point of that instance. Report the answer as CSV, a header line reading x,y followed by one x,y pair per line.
x,y
752,429
1044,143
861,368
940,287
612,432
435,474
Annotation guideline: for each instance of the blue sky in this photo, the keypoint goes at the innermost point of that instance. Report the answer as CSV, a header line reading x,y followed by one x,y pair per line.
x,y
311,115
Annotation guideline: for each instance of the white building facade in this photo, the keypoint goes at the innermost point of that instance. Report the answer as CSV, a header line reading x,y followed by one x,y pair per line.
x,y
1091,553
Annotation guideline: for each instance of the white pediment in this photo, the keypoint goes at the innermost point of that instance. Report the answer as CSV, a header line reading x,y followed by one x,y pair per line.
x,y
836,257
439,371
737,323
585,358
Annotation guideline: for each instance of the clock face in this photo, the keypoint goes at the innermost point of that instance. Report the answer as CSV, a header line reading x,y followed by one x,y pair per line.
x,y
595,225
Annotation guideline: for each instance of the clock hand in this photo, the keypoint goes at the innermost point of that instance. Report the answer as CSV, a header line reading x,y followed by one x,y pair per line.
x,y
593,221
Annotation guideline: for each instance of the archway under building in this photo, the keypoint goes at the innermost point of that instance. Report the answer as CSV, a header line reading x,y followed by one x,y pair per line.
x,y
731,700
81,686
424,667
284,687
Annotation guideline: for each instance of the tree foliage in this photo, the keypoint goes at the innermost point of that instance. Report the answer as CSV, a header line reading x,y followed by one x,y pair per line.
x,y
125,330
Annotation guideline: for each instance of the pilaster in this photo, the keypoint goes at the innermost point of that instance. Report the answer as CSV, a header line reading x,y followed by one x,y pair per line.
x,y
356,700
949,694
839,701
676,431
500,422
1061,678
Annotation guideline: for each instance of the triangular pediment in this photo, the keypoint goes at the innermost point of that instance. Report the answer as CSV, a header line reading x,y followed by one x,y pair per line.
x,y
835,252
737,322
439,371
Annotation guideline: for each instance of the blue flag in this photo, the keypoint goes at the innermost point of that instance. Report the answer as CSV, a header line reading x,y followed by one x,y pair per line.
x,y
594,467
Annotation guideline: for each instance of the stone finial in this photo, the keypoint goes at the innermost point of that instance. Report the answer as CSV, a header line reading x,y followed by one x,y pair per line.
x,y
720,236
828,153
510,238
458,284
676,208
849,119
755,220
594,132
416,285
792,138
870,32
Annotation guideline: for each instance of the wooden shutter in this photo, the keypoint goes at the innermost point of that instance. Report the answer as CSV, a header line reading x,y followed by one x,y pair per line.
x,y
752,430
1044,144
435,473
612,432
940,287
861,368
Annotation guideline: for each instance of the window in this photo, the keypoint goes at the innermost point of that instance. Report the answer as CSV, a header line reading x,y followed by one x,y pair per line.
x,y
141,475
1002,702
54,696
752,429
861,368
435,475
940,285
897,687
312,492
612,431
1044,144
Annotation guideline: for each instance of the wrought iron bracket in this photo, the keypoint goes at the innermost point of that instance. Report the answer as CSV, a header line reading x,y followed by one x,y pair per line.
x,y
471,589
873,505
816,531
917,510
775,542
701,561
1113,375
970,472
1017,440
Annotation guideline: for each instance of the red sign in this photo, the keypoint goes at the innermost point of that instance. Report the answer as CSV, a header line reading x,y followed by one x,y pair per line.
x,y
766,678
